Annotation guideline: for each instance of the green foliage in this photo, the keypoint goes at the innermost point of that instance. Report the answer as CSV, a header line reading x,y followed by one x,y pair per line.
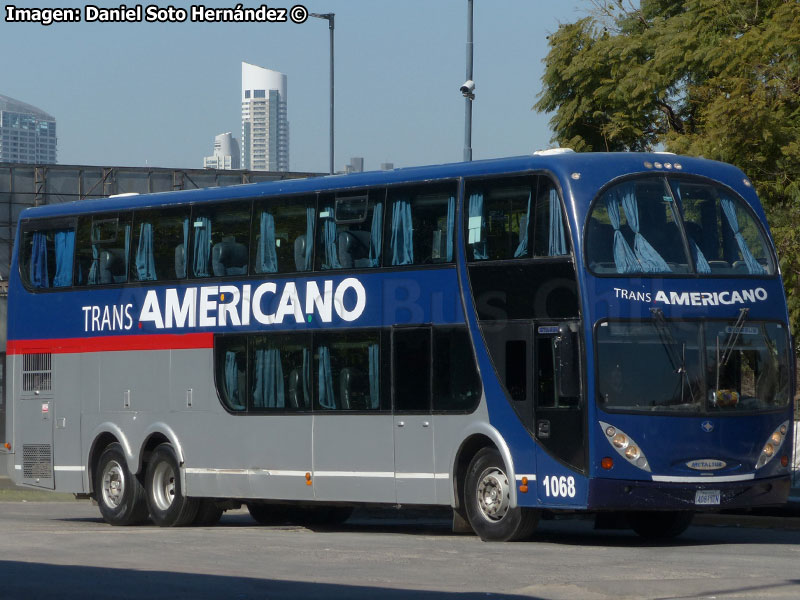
x,y
712,78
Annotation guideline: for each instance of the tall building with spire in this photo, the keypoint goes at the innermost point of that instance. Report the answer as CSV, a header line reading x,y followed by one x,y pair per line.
x,y
27,134
265,128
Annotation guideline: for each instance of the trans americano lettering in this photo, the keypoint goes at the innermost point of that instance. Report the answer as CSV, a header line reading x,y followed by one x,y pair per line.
x,y
724,298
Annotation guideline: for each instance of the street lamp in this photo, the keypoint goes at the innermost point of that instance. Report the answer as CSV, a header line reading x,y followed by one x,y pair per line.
x,y
468,89
329,17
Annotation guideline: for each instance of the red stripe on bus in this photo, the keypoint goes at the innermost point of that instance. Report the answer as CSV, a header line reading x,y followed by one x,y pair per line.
x,y
115,343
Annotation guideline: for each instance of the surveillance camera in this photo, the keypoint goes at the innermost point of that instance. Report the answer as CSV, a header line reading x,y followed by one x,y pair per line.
x,y
468,87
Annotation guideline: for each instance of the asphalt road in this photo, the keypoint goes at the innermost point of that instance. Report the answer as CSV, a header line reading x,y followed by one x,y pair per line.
x,y
64,550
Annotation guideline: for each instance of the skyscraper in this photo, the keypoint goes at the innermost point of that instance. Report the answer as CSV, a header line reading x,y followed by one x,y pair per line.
x,y
265,128
27,134
226,153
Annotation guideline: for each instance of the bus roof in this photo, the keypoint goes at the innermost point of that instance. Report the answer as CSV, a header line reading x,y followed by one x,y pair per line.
x,y
597,167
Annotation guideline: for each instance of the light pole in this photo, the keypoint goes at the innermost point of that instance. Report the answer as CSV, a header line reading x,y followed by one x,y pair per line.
x,y
329,17
468,90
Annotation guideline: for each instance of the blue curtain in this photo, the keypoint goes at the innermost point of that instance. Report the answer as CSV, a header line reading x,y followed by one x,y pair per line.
x,y
232,381
309,249
327,399
267,258
145,259
331,246
268,390
94,270
451,222
729,208
522,247
376,236
649,258
374,378
202,247
65,250
402,241
624,258
39,276
476,229
557,243
307,374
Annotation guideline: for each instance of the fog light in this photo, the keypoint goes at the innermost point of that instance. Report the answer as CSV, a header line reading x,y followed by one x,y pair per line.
x,y
607,463
620,440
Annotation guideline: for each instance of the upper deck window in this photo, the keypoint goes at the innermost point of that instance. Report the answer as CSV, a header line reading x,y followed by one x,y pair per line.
x,y
636,227
46,257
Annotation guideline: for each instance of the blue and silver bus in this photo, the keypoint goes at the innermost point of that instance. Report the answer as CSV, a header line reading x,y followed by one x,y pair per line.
x,y
556,332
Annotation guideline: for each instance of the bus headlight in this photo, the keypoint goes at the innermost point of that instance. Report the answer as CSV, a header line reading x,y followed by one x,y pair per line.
x,y
625,446
774,443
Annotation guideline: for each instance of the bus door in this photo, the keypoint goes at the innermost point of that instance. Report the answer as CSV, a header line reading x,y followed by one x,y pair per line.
x,y
35,413
510,344
558,410
413,426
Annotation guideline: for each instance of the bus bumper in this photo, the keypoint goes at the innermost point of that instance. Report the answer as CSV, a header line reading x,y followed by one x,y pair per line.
x,y
613,494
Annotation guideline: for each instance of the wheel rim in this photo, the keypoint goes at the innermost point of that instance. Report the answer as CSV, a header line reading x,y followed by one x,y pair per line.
x,y
493,494
113,486
163,486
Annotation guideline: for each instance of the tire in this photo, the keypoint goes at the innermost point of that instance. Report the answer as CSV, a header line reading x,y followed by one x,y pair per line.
x,y
118,492
269,514
208,514
660,525
487,492
168,505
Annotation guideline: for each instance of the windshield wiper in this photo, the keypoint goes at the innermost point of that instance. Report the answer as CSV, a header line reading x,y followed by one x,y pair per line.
x,y
678,362
730,343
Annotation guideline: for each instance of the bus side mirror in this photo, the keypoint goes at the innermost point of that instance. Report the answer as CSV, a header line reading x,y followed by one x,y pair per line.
x,y
569,384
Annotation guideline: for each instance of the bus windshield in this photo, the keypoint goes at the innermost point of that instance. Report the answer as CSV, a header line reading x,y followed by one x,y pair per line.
x,y
692,367
635,227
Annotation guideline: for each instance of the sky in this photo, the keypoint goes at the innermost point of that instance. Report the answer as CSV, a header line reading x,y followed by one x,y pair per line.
x,y
156,94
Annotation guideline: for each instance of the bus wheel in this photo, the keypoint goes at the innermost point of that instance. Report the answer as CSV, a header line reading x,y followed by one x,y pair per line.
x,y
165,499
209,513
487,496
119,493
660,525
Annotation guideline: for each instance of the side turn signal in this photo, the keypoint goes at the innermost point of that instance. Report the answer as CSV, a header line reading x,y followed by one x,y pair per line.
x,y
524,487
7,446
607,463
308,478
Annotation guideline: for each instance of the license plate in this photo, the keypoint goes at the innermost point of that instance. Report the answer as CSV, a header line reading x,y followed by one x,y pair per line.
x,y
706,497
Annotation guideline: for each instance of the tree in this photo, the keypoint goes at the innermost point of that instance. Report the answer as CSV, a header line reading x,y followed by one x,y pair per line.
x,y
712,78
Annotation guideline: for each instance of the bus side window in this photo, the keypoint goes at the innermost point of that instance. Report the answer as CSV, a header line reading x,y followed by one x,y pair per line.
x,y
347,371
499,219
160,240
456,383
350,230
280,372
103,249
283,235
47,257
220,235
231,371
422,223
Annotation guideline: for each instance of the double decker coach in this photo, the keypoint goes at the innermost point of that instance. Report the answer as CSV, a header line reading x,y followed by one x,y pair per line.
x,y
554,332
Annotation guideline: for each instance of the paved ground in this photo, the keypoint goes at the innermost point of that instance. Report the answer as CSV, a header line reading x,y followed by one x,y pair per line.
x,y
64,550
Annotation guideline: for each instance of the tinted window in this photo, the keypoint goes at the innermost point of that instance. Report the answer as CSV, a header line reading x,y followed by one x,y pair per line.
x,y
220,238
456,384
347,370
283,231
498,218
421,226
411,368
723,234
633,229
46,257
102,249
231,371
356,240
160,243
280,372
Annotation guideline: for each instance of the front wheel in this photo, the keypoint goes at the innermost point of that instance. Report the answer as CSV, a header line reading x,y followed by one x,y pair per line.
x,y
168,505
119,493
660,525
487,499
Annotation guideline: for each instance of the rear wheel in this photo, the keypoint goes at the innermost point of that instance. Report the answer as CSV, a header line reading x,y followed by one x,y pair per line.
x,y
208,514
487,499
660,525
168,505
119,493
